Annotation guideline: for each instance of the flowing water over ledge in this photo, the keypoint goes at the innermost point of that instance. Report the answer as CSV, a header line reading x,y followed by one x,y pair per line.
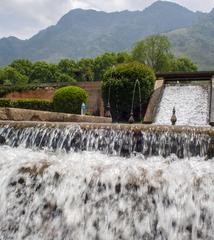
x,y
190,101
72,182
110,139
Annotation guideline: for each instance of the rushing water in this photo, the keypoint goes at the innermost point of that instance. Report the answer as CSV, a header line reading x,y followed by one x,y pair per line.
x,y
79,183
94,196
191,104
149,142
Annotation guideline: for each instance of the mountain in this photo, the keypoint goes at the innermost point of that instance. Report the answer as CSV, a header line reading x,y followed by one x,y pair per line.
x,y
196,41
87,33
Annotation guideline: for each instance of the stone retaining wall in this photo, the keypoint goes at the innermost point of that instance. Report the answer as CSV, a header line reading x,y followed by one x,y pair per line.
x,y
16,114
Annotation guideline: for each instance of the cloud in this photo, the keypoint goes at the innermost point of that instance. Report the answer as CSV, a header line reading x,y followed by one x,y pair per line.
x,y
112,5
23,18
196,5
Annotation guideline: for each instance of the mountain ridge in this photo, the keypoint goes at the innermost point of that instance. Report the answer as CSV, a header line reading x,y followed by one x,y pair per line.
x,y
87,33
196,41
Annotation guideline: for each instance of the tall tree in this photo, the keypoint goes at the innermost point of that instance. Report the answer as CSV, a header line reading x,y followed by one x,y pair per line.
x,y
23,66
42,72
10,76
68,66
154,51
86,69
107,60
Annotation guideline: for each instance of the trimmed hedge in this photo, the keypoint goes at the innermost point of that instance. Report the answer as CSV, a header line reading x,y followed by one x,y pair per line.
x,y
5,102
69,99
34,104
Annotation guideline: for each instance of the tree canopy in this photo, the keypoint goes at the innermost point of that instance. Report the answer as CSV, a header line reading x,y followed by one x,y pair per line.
x,y
183,64
155,51
10,76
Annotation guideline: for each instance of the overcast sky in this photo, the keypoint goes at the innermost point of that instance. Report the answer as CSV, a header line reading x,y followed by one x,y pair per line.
x,y
24,18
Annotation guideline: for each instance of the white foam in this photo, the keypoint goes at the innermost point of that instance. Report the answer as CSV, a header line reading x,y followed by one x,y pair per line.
x,y
89,196
191,104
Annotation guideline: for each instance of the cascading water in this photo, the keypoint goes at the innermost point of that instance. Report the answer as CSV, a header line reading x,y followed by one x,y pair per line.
x,y
190,101
120,142
72,182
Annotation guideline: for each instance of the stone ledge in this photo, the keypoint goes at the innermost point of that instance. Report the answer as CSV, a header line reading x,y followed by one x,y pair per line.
x,y
17,114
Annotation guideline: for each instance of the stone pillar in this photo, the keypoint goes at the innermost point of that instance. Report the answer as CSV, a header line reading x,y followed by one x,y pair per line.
x,y
154,101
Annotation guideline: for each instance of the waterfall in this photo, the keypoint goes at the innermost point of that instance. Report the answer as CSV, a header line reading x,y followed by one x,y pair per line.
x,y
105,182
119,142
190,101
93,196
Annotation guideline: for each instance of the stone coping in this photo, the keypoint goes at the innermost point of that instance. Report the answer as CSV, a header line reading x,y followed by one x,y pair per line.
x,y
113,126
17,114
197,76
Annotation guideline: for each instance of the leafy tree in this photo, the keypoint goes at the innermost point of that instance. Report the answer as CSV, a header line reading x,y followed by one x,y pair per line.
x,y
123,57
10,76
102,63
120,80
42,72
23,66
183,64
107,60
154,51
68,66
85,70
63,78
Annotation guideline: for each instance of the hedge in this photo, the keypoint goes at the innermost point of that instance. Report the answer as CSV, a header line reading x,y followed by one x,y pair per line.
x,y
34,104
5,102
69,99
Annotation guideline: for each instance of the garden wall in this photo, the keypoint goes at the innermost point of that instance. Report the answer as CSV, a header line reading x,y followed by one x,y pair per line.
x,y
95,102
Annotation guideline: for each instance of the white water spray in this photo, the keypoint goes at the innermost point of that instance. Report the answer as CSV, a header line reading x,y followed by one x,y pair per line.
x,y
93,196
71,182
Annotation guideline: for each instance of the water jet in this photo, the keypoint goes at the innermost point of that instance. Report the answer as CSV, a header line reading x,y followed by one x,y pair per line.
x,y
108,107
131,118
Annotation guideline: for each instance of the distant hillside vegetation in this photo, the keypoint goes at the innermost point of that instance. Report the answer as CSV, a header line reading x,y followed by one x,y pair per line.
x,y
197,42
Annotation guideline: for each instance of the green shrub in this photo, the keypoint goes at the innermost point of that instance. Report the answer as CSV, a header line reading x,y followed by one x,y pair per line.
x,y
69,99
5,102
121,80
34,104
